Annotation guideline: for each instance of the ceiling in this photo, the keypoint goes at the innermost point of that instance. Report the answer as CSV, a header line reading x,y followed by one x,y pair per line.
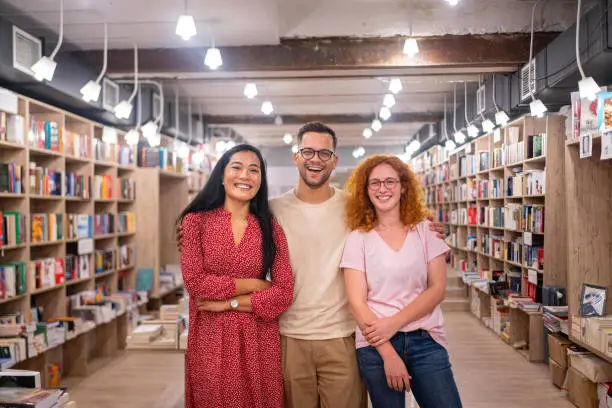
x,y
151,24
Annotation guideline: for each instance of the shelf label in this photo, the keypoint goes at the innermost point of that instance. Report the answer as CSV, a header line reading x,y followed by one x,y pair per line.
x,y
85,246
527,238
606,146
586,145
468,148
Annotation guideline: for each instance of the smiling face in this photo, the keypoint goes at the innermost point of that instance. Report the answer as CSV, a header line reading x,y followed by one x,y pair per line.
x,y
316,168
242,176
384,188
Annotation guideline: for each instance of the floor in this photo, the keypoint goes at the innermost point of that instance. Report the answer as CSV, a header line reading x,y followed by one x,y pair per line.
x,y
488,373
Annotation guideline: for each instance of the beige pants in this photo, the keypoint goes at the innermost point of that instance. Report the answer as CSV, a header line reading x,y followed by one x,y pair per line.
x,y
322,373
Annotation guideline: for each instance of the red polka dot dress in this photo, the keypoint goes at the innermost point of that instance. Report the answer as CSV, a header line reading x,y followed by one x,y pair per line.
x,y
233,358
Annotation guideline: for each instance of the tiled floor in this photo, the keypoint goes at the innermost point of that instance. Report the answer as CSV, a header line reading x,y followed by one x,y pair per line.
x,y
488,372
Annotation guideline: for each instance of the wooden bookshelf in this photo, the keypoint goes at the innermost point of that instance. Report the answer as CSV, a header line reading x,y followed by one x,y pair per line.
x,y
67,153
156,213
468,191
588,192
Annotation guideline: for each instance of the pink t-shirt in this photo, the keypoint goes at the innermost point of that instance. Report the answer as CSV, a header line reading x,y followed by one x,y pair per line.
x,y
395,279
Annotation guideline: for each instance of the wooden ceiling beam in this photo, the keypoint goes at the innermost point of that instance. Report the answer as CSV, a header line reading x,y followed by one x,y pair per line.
x,y
501,50
335,119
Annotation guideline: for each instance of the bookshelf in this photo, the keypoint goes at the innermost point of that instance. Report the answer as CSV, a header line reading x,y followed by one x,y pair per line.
x,y
157,256
589,186
496,194
62,238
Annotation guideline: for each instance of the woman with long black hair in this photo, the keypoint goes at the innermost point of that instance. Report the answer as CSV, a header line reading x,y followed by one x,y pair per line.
x,y
230,245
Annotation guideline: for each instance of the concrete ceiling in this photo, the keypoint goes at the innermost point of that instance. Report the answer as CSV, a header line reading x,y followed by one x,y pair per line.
x,y
151,23
245,23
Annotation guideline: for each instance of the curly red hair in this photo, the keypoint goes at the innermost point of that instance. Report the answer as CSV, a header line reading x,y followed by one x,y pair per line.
x,y
360,210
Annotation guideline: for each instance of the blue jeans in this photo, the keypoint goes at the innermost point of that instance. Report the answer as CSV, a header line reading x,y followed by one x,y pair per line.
x,y
427,362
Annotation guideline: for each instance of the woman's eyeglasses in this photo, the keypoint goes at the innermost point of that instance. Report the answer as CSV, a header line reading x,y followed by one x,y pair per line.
x,y
324,154
389,183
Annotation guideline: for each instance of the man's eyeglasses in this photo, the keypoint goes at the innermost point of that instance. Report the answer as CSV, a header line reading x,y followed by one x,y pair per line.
x,y
324,154
389,183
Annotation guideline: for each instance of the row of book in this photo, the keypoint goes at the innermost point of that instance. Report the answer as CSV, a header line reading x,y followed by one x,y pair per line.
x,y
45,134
528,182
126,222
12,228
47,227
11,178
11,128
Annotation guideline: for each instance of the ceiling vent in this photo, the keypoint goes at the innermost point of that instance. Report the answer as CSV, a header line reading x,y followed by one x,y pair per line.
x,y
110,95
527,89
27,50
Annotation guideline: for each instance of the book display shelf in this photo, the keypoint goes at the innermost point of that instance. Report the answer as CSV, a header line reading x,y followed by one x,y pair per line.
x,y
499,196
588,172
67,247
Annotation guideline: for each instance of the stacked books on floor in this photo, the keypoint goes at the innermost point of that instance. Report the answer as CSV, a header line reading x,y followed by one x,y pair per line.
x,y
164,333
22,388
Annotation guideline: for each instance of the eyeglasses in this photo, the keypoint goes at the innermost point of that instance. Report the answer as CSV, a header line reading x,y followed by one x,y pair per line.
x,y
324,154
389,183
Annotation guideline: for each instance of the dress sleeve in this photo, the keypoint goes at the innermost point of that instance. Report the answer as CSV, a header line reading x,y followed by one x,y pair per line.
x,y
198,283
434,246
353,256
270,303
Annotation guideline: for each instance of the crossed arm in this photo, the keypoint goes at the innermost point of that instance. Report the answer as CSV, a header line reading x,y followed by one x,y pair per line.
x,y
214,292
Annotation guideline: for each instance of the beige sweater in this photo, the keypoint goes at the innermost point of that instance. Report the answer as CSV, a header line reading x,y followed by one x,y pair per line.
x,y
316,234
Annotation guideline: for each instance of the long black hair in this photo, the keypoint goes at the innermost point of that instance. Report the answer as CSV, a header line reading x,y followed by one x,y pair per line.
x,y
212,196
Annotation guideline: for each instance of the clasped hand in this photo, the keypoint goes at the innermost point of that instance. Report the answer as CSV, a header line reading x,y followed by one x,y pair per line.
x,y
379,331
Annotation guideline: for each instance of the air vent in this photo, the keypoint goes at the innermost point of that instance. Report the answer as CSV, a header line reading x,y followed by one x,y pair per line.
x,y
528,88
110,95
481,105
27,50
156,105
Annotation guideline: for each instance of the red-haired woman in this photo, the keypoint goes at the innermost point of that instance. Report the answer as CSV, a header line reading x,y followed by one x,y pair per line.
x,y
395,272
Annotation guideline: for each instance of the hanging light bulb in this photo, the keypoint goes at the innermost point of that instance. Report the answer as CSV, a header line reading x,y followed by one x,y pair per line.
x,y
267,107
132,137
459,137
288,138
538,109
414,145
294,148
250,90
389,100
376,125
588,88
385,113
452,2
149,129
450,146
278,120
488,125
411,47
501,118
185,27
367,133
44,68
395,85
472,131
213,58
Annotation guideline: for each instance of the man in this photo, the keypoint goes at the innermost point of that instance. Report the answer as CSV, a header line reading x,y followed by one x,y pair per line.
x,y
317,331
